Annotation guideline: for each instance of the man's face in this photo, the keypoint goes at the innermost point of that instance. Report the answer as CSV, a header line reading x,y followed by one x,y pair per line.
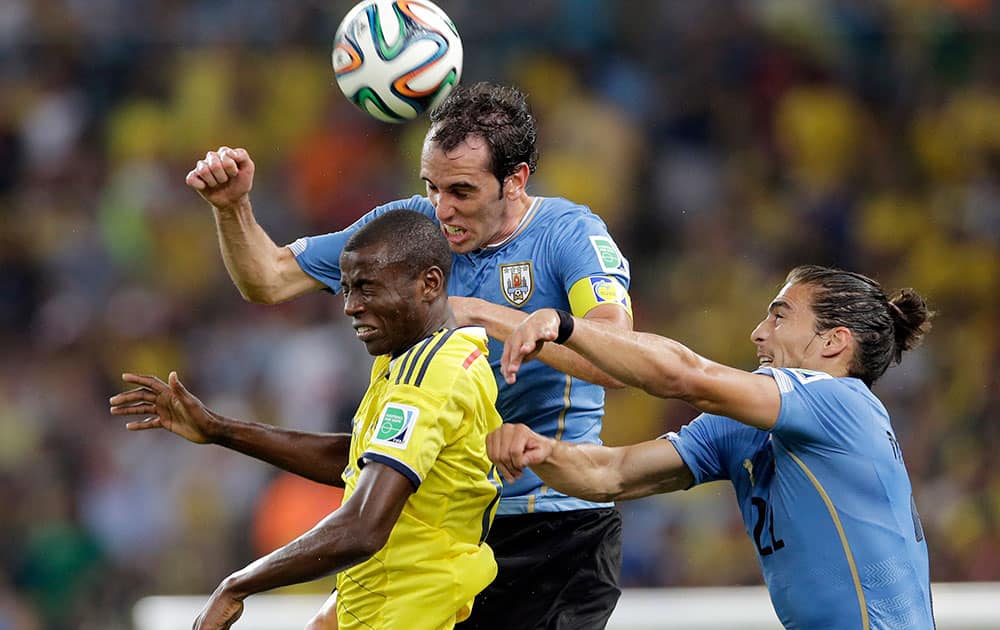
x,y
385,304
465,194
787,336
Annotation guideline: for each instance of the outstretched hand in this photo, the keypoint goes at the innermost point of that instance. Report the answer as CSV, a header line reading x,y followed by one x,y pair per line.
x,y
220,612
224,178
514,447
168,406
526,341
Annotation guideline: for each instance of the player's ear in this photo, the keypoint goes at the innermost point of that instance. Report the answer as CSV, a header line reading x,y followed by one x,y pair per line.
x,y
837,340
433,283
514,184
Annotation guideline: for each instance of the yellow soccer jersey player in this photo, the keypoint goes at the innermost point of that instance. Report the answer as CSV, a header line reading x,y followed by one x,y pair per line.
x,y
426,414
407,543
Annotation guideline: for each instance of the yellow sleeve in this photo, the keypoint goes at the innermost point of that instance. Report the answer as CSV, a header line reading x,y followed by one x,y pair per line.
x,y
409,432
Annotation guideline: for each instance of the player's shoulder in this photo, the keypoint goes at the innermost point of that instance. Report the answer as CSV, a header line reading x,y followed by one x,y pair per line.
x,y
440,358
789,379
560,209
818,384
462,342
416,202
573,227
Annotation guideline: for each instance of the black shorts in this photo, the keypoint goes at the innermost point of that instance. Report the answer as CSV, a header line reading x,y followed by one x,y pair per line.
x,y
557,571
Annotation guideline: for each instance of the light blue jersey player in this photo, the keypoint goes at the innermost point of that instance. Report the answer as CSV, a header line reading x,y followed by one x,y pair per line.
x,y
558,557
826,499
560,256
815,462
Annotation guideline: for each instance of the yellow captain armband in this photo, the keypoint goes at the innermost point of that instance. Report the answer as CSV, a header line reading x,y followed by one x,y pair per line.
x,y
593,291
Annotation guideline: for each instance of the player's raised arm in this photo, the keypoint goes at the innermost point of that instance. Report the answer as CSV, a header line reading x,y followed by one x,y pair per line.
x,y
657,365
320,457
589,471
262,271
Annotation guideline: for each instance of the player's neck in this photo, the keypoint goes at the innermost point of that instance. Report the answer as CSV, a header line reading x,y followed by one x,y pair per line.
x,y
519,211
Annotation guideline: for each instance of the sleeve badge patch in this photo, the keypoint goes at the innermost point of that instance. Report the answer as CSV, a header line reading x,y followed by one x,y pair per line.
x,y
395,425
607,253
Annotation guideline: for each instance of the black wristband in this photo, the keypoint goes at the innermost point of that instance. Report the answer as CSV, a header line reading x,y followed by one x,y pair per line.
x,y
565,326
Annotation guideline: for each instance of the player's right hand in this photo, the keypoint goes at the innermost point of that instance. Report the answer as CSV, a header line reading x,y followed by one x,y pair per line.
x,y
514,447
223,178
169,406
526,341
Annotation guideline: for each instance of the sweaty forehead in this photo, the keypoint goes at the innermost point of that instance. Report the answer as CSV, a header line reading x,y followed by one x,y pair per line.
x,y
471,156
370,261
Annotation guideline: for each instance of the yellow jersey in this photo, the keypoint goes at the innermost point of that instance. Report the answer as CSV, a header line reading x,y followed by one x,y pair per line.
x,y
426,414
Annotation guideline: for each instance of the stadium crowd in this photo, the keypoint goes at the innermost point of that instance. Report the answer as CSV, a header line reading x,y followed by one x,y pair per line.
x,y
723,142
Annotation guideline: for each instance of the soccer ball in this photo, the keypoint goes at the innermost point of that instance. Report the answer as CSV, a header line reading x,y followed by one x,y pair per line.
x,y
396,59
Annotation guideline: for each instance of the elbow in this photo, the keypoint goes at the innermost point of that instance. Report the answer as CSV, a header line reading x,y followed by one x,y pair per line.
x,y
664,385
367,542
261,294
253,294
612,383
254,297
365,536
601,496
353,545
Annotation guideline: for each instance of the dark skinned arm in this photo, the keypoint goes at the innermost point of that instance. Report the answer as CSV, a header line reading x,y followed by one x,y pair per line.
x,y
320,457
348,536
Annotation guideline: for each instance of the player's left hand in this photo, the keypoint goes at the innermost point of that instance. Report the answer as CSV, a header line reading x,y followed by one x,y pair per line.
x,y
526,341
220,612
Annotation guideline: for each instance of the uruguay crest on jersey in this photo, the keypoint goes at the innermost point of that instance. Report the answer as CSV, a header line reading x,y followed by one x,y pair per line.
x,y
517,282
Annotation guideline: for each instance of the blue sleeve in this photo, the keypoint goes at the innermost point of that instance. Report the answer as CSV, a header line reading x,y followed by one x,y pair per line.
x,y
817,408
705,445
319,256
585,248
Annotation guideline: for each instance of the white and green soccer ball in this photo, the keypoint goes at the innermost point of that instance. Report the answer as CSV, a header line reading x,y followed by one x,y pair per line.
x,y
396,59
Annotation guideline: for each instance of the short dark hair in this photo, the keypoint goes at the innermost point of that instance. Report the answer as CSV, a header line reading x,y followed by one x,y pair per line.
x,y
497,113
883,327
417,241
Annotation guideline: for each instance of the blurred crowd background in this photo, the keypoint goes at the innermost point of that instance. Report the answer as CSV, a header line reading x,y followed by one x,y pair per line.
x,y
722,141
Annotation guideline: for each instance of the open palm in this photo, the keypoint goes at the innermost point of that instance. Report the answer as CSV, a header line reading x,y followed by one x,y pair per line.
x,y
167,406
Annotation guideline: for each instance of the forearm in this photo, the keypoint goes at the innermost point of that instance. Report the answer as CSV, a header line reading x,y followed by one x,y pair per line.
x,y
586,471
655,364
329,547
603,473
250,255
500,321
350,535
321,457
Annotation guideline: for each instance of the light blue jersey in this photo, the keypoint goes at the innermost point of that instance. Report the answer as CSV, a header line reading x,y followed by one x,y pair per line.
x,y
826,499
560,256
